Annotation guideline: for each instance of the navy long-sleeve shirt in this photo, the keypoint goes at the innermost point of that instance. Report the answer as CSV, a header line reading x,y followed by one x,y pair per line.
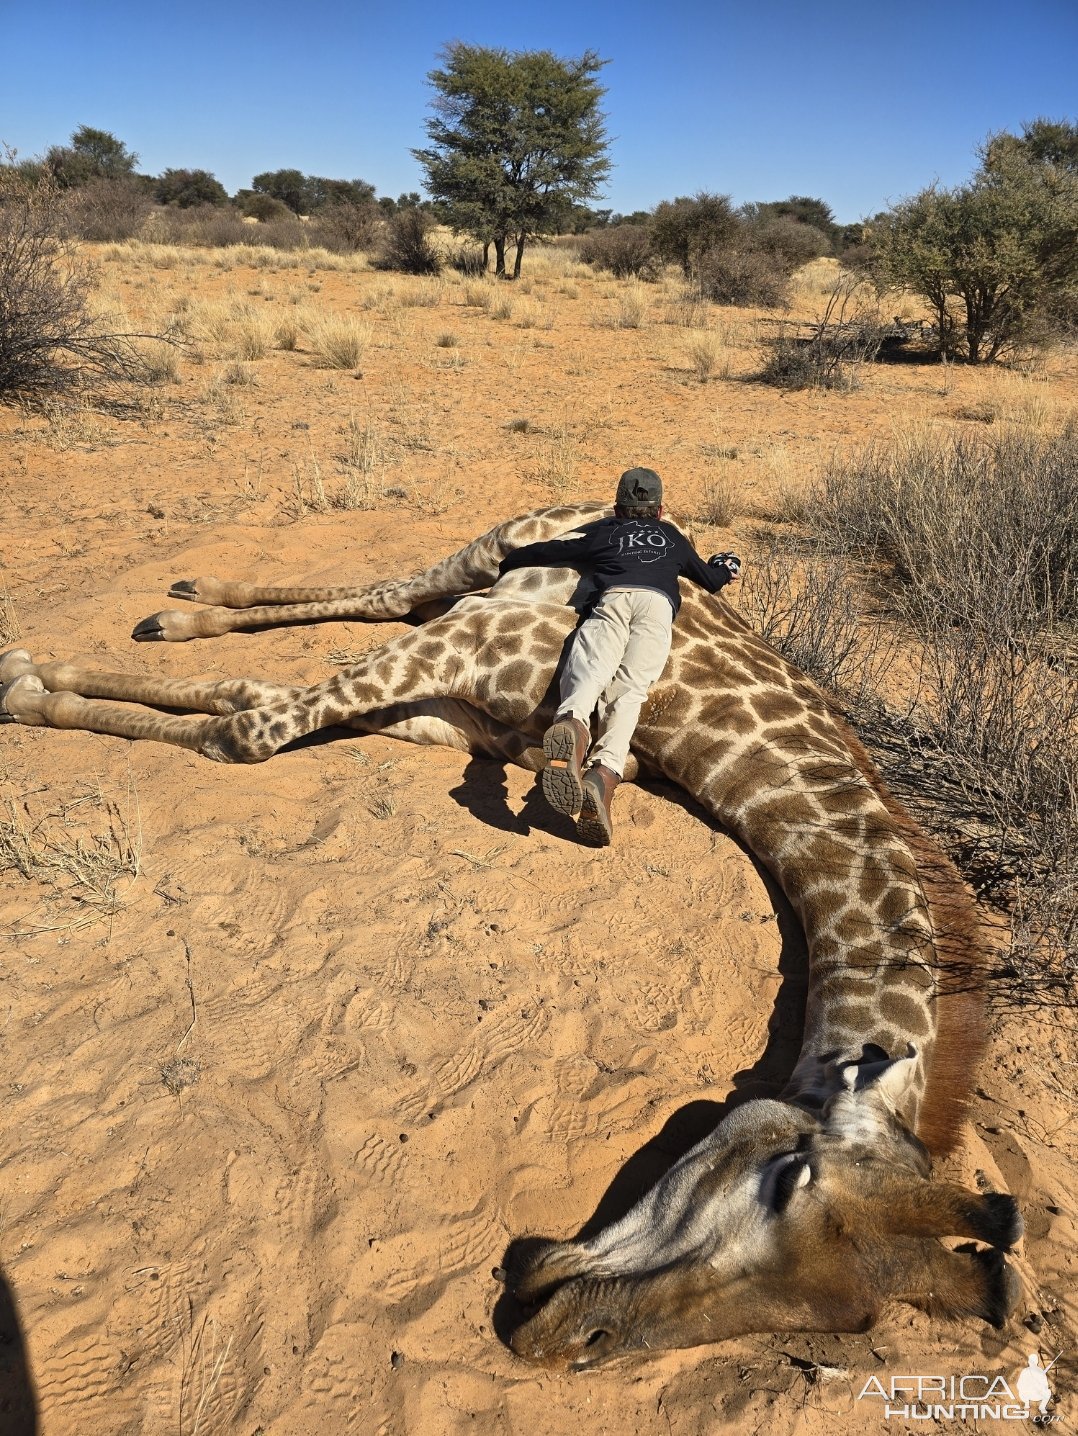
x,y
626,553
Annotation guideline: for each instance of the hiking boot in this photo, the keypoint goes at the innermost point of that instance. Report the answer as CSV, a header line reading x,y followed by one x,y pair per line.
x,y
565,744
594,825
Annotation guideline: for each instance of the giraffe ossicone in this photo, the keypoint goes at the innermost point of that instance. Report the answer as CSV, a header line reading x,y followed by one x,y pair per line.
x,y
808,1211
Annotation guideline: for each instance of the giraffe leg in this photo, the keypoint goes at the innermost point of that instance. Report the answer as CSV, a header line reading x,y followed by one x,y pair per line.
x,y
474,566
235,605
439,722
65,695
173,625
228,695
471,654
26,700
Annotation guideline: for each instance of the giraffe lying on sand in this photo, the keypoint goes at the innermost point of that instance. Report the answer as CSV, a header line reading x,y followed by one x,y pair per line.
x,y
808,1212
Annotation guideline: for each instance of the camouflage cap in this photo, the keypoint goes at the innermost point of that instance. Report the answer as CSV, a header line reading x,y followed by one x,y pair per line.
x,y
638,487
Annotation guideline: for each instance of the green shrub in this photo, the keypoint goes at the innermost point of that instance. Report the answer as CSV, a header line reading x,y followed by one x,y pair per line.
x,y
407,245
791,241
743,276
89,155
262,206
996,259
624,250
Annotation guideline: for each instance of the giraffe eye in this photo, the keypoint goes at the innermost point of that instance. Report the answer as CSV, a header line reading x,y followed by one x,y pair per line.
x,y
793,1176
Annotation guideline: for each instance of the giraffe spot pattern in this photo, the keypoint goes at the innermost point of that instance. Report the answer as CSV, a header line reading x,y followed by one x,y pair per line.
x,y
904,1012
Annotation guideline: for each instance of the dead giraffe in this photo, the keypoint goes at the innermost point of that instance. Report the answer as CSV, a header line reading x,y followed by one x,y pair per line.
x,y
808,1212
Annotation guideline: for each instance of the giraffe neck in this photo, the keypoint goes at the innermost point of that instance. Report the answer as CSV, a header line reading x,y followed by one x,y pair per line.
x,y
758,746
868,929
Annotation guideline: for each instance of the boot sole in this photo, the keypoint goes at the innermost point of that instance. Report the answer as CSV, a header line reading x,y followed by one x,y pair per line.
x,y
563,784
594,825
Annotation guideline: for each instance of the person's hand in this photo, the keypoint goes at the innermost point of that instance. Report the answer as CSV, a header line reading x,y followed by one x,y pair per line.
x,y
728,561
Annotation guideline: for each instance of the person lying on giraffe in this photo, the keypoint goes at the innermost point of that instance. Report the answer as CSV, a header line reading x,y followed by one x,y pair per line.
x,y
621,648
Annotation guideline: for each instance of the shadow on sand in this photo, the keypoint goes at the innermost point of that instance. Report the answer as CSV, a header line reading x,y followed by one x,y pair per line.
x,y
18,1403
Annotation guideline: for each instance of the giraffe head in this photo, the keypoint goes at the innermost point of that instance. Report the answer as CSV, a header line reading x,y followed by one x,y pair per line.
x,y
783,1219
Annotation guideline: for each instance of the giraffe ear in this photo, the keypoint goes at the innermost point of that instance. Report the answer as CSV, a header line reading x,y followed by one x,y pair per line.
x,y
888,1077
875,1087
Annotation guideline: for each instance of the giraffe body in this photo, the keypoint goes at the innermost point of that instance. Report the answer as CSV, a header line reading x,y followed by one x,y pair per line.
x,y
805,1212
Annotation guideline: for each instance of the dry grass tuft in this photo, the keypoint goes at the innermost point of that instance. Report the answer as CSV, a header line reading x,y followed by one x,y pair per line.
x,y
309,490
479,293
708,356
253,336
238,373
10,628
162,360
364,456
339,342
557,460
365,451
421,293
687,310
630,311
722,500
86,852
287,331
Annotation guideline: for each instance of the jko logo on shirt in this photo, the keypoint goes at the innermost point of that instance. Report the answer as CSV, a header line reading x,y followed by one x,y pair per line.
x,y
644,541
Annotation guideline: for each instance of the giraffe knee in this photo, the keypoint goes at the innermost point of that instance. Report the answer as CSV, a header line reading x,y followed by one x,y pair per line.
x,y
59,675
247,737
22,700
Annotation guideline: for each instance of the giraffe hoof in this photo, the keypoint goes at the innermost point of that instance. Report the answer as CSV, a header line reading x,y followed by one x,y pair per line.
x,y
197,590
13,663
164,627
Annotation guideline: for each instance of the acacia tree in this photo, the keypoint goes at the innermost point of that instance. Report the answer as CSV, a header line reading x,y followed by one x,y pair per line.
x,y
185,188
684,230
517,139
1002,249
289,186
90,155
307,194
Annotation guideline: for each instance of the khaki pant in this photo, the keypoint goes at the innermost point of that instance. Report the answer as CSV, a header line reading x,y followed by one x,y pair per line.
x,y
618,653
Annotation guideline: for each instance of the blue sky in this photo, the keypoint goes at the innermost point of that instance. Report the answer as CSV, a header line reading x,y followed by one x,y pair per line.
x,y
856,103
